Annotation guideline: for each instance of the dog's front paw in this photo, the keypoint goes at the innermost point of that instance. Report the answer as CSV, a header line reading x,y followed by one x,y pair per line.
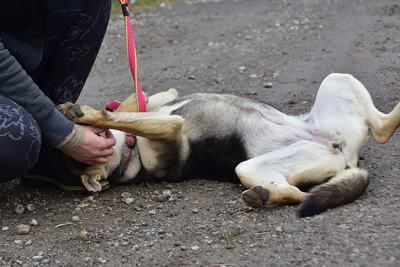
x,y
255,197
70,110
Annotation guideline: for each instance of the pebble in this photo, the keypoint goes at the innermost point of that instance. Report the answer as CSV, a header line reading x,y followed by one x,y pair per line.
x,y
152,212
126,195
278,229
195,247
162,198
242,68
18,241
75,218
30,207
136,247
23,229
28,243
253,76
195,210
191,77
33,222
267,85
90,199
37,257
183,248
19,209
128,200
5,228
101,260
83,234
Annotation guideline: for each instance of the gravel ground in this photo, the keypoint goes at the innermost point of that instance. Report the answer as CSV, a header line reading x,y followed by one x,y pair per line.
x,y
242,47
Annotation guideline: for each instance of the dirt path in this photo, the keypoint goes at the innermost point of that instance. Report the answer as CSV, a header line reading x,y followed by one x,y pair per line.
x,y
237,47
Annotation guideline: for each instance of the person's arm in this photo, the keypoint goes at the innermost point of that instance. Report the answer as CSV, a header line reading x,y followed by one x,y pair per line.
x,y
16,84
79,142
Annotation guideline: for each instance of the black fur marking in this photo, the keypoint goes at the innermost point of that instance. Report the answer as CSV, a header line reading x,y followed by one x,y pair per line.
x,y
215,158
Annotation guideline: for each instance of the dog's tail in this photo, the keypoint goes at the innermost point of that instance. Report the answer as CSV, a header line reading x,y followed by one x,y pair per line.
x,y
343,188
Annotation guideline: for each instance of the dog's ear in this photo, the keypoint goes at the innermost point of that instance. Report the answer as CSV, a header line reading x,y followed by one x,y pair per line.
x,y
129,104
91,184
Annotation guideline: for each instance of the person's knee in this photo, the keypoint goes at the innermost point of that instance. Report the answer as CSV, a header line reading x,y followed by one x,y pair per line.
x,y
20,140
18,156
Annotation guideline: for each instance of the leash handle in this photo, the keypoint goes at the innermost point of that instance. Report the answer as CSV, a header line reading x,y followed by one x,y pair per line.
x,y
132,58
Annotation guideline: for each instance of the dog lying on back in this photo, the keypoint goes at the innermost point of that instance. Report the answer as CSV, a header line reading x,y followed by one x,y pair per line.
x,y
225,136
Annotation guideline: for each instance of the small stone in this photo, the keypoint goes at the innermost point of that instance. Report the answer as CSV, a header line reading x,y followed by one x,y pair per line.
x,y
75,218
18,241
161,231
275,74
28,243
33,222
41,253
253,76
183,248
128,200
242,68
267,85
109,60
126,195
19,209
23,229
83,234
136,247
195,247
30,207
44,261
152,212
278,229
90,199
162,198
101,260
195,210
37,257
5,228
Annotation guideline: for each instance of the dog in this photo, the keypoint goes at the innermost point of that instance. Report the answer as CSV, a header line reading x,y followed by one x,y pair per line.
x,y
271,153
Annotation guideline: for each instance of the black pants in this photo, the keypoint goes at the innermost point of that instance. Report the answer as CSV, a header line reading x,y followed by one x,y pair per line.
x,y
59,62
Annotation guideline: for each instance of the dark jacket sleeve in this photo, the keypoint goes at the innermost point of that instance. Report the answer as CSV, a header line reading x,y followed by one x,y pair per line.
x,y
16,84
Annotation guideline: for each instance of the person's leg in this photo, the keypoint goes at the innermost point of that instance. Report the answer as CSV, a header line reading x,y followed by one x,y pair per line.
x,y
69,57
20,140
67,61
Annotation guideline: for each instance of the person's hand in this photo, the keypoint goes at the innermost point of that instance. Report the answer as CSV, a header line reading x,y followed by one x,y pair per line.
x,y
89,145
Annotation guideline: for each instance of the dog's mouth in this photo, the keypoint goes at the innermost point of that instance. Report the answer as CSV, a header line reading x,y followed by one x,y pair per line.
x,y
128,153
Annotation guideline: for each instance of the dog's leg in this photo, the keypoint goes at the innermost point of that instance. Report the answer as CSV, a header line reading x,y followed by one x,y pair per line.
x,y
272,177
343,95
147,124
158,100
154,102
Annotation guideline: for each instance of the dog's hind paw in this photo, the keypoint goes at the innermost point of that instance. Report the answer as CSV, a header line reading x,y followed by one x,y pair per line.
x,y
255,197
70,110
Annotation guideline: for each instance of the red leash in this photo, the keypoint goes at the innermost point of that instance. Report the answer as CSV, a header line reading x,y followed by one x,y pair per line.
x,y
132,58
